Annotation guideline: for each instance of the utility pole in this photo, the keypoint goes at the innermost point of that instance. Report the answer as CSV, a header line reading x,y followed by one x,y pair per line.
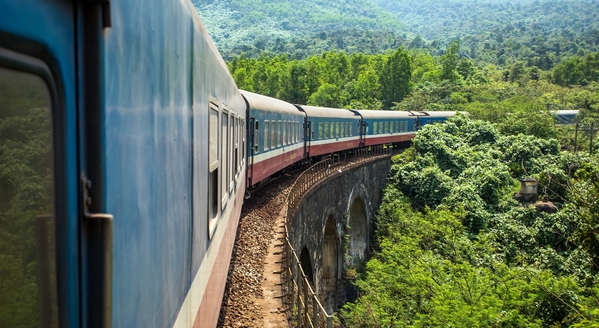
x,y
576,138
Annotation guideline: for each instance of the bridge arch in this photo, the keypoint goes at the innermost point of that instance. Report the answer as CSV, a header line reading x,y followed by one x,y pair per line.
x,y
306,264
358,232
330,263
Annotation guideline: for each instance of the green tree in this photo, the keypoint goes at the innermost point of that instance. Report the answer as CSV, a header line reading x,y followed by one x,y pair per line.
x,y
395,77
449,62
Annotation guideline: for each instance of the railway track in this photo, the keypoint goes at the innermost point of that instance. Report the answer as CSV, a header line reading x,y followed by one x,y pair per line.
x,y
250,294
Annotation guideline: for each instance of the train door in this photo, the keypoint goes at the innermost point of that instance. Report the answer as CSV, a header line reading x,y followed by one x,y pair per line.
x,y
254,133
307,138
363,132
40,204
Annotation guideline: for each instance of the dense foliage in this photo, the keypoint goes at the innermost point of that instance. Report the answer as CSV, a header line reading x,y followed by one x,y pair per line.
x,y
333,79
538,33
454,248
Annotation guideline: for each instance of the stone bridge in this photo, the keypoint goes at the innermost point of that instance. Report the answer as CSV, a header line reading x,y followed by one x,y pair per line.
x,y
330,226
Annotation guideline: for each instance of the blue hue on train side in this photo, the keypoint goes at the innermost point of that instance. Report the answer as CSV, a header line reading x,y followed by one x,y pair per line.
x,y
161,71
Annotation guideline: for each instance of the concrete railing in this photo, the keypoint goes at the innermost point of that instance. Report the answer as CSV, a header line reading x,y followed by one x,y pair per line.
x,y
306,308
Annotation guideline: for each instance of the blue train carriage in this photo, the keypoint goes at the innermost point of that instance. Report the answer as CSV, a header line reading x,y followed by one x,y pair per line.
x,y
142,164
175,169
276,136
566,116
432,117
330,130
387,127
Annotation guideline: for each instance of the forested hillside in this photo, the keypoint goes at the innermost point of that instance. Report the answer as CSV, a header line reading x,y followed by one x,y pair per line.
x,y
298,28
540,33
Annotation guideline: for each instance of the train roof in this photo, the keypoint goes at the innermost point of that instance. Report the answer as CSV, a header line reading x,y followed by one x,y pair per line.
x,y
438,114
565,112
264,103
313,111
385,114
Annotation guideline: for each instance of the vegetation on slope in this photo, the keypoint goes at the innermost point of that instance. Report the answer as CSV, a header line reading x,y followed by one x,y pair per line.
x,y
456,250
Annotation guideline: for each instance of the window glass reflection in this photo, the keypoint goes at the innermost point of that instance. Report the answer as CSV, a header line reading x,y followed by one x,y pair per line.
x,y
27,225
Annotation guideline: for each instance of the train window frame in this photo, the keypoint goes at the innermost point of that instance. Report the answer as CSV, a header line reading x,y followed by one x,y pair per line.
x,y
224,156
320,130
242,150
273,134
284,136
21,63
256,136
214,166
280,133
236,147
232,150
266,135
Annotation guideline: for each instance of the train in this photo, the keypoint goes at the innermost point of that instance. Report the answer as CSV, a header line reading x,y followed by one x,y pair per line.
x,y
284,135
126,153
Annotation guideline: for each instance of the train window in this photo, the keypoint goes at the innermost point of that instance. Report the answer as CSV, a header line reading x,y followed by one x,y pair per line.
x,y
280,134
391,127
243,143
375,128
239,140
273,134
235,134
351,128
266,136
386,127
289,132
284,136
256,137
320,130
27,202
381,126
224,160
232,148
326,130
214,160
337,130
